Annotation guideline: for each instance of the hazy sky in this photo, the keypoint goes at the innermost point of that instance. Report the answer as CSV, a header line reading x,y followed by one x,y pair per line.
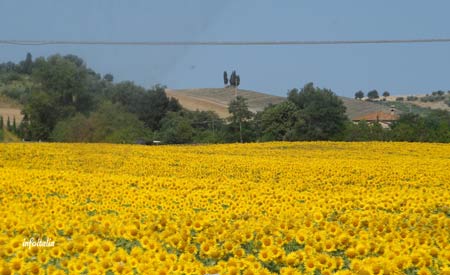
x,y
401,69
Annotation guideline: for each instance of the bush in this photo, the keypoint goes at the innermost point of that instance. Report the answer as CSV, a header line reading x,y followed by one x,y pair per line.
x,y
176,129
438,93
433,98
399,99
109,124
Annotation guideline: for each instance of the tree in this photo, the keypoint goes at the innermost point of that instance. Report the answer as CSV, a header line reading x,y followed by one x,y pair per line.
x,y
373,94
1,122
8,124
27,64
149,105
279,121
108,77
176,129
154,105
43,114
225,78
23,129
110,123
363,131
359,95
321,110
239,111
386,94
233,78
14,126
60,92
65,80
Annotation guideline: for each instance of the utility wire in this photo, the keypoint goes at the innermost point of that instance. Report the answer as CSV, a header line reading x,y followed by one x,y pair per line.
x,y
221,43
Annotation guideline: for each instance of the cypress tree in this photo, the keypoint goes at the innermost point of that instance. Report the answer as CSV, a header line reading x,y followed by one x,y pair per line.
x,y
14,128
27,64
8,124
233,78
225,78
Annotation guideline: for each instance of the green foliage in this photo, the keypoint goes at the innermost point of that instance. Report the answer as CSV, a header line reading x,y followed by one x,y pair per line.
x,y
27,64
74,129
359,95
406,107
108,77
225,78
432,128
438,93
150,106
110,123
363,131
251,247
207,126
126,244
14,126
373,94
435,97
279,121
65,80
60,91
176,129
8,124
44,113
292,246
321,110
238,108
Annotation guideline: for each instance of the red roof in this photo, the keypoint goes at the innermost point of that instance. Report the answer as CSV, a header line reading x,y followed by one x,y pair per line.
x,y
378,116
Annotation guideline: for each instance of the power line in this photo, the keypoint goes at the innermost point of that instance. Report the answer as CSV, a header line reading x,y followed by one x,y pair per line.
x,y
221,43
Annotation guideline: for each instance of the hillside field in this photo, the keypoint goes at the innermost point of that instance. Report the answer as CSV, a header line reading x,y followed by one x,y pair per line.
x,y
261,208
217,99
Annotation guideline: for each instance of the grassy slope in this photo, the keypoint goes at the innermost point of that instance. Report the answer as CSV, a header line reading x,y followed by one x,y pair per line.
x,y
8,136
407,106
423,105
217,99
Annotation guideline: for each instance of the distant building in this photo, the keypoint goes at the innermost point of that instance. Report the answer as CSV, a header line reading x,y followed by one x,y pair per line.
x,y
385,119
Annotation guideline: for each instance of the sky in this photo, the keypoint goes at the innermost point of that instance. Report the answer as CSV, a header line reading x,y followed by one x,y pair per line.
x,y
401,69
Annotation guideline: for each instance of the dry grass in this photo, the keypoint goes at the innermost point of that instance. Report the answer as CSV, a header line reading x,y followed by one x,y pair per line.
x,y
11,113
9,108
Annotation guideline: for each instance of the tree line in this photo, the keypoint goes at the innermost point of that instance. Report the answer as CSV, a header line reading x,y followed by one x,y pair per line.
x,y
65,101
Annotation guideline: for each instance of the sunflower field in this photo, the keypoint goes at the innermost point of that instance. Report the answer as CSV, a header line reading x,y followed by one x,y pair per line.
x,y
265,208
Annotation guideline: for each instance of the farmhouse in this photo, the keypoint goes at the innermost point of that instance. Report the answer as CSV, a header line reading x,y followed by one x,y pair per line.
x,y
385,119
